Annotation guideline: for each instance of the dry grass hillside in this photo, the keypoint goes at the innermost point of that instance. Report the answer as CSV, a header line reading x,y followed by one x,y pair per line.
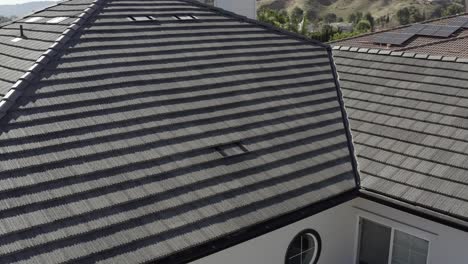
x,y
343,8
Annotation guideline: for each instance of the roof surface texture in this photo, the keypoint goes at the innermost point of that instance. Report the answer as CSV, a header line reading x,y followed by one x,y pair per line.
x,y
409,121
456,45
110,145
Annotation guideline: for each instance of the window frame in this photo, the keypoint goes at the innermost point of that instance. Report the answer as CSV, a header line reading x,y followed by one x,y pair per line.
x,y
318,247
393,226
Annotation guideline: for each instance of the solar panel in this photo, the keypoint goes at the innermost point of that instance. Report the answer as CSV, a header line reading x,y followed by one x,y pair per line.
x,y
392,38
414,29
459,21
429,30
446,31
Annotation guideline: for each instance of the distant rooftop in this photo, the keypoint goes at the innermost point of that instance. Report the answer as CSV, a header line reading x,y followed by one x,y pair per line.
x,y
427,38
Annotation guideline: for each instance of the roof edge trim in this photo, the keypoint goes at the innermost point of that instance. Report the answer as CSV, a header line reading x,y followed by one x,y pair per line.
x,y
259,23
399,53
218,244
415,209
34,71
347,127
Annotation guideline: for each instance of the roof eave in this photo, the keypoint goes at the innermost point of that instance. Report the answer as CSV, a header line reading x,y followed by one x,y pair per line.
x,y
222,243
431,214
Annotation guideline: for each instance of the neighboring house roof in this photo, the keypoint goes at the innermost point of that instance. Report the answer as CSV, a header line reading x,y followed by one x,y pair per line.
x,y
409,118
454,45
114,132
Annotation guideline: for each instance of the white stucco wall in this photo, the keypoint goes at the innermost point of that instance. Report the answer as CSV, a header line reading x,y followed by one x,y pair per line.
x,y
335,226
242,7
338,229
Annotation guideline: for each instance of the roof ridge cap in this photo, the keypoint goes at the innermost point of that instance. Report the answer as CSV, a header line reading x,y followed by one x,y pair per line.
x,y
399,27
20,85
259,23
399,53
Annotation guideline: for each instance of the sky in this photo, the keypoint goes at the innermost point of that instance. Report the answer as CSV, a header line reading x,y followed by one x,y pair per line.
x,y
14,2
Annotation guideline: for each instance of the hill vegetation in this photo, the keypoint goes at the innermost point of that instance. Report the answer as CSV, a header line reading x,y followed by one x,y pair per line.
x,y
20,10
4,19
319,9
324,20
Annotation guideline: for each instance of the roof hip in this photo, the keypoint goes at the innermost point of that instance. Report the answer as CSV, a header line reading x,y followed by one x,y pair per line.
x,y
18,88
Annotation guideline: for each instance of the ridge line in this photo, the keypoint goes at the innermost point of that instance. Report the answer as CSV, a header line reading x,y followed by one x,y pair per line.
x,y
34,71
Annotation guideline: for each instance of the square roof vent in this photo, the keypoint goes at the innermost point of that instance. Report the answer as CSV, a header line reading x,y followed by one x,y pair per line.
x,y
141,18
56,20
185,17
231,149
33,19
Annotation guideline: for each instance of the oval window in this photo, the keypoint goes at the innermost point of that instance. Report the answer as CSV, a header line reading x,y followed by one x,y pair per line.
x,y
304,248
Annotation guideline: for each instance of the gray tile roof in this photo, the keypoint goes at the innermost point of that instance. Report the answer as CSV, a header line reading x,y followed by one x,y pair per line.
x,y
108,147
410,127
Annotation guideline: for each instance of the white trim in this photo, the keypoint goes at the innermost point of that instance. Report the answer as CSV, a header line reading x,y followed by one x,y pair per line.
x,y
390,251
357,244
314,238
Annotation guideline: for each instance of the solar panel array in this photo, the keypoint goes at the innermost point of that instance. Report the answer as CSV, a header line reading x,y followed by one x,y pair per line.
x,y
414,29
459,21
431,30
392,38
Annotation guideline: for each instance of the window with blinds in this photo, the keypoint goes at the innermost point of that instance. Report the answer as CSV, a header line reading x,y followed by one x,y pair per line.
x,y
383,244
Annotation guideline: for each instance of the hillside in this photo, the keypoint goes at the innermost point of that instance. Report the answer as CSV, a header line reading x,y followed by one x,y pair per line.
x,y
20,10
343,8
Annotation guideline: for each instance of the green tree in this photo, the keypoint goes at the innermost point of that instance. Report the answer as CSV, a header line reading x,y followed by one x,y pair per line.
x,y
363,26
297,13
403,16
4,19
415,15
437,12
304,25
453,9
355,17
371,20
330,18
279,19
352,18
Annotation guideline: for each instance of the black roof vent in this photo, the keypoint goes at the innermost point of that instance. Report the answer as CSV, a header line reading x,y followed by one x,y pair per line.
x,y
232,149
141,18
185,17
